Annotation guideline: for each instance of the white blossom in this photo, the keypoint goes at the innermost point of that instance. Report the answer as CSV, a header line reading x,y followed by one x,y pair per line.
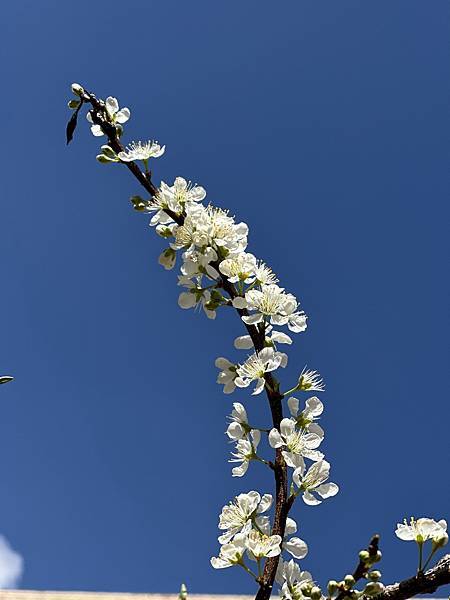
x,y
291,578
199,263
195,297
174,198
237,516
260,545
245,452
141,151
244,342
298,443
256,366
211,226
115,115
314,481
273,303
264,274
239,427
422,530
227,374
305,418
239,267
231,553
310,381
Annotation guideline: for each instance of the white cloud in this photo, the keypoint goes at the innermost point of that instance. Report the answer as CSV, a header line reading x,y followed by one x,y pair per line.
x,y
11,565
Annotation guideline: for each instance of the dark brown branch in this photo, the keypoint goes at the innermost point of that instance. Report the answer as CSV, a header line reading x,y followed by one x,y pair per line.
x,y
363,566
423,583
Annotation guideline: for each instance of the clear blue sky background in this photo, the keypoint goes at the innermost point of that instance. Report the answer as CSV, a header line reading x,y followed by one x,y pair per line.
x,y
323,126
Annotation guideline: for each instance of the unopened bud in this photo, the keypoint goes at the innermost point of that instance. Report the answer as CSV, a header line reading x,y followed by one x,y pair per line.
x,y
373,588
316,593
73,104
441,541
167,258
349,581
108,151
374,575
77,89
364,556
332,587
305,588
377,556
104,159
183,592
138,203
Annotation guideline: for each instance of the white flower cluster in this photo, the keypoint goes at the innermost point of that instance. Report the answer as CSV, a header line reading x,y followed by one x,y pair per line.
x,y
422,530
247,531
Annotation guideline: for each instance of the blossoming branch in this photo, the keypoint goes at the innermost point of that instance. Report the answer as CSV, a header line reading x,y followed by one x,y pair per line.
x,y
216,271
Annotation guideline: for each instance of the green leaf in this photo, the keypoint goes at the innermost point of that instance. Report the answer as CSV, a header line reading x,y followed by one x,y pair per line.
x,y
6,379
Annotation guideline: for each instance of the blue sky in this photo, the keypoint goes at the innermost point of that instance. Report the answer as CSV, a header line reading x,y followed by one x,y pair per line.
x,y
320,124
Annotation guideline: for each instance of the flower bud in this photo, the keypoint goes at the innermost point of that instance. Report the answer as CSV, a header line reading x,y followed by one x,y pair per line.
x,y
364,556
138,203
349,581
332,587
104,159
377,557
73,104
305,588
441,541
77,89
316,593
374,575
373,588
183,592
108,151
167,258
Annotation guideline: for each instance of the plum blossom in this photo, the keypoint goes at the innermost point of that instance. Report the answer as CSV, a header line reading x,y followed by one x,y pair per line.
x,y
239,267
310,381
199,263
244,342
295,546
238,516
256,366
245,452
291,578
141,151
314,481
273,303
239,427
174,198
422,530
264,274
305,418
114,115
194,297
227,374
298,443
260,545
231,553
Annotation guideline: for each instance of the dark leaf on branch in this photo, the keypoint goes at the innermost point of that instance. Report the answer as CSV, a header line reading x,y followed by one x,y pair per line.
x,y
72,124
